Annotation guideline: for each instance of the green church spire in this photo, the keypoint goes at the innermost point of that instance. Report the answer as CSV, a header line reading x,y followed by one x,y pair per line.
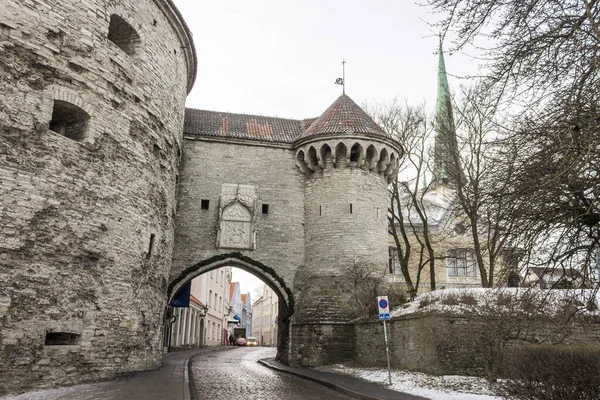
x,y
445,132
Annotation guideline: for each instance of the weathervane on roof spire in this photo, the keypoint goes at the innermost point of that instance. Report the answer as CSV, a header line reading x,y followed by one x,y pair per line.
x,y
342,80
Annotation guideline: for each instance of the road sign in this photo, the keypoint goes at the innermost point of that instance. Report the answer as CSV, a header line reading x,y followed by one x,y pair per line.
x,y
384,314
384,307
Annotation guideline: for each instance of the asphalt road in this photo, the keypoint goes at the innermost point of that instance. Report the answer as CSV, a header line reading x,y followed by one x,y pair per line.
x,y
236,374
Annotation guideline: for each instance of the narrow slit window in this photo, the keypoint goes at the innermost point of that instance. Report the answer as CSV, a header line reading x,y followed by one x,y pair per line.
x,y
265,208
320,211
150,246
61,339
350,208
204,204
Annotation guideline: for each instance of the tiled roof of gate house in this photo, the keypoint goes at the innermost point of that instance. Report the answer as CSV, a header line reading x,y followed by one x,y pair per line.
x,y
343,116
242,126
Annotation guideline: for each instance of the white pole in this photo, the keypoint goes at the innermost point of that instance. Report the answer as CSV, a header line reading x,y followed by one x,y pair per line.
x,y
387,352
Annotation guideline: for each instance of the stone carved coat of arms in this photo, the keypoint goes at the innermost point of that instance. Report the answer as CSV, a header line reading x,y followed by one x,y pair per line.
x,y
236,228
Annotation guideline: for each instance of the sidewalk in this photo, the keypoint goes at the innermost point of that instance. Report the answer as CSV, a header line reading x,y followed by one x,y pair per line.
x,y
349,385
170,382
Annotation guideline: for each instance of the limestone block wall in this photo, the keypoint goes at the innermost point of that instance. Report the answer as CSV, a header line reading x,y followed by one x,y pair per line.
x,y
450,344
270,169
87,224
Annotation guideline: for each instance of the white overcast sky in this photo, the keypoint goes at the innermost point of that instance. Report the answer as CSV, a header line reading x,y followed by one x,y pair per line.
x,y
281,58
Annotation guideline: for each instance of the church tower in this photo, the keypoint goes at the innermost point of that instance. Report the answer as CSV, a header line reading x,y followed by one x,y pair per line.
x,y
445,162
347,161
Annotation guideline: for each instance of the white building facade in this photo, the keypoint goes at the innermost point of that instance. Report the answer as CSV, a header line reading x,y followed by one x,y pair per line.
x,y
265,315
203,322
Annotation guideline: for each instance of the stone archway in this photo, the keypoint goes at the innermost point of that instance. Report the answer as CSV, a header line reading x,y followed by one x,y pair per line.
x,y
267,274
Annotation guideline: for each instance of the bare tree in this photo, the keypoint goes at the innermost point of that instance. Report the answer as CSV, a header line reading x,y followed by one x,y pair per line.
x,y
541,62
408,212
483,181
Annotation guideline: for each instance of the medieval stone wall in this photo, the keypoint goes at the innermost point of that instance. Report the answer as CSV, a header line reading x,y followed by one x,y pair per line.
x,y
206,166
463,345
87,223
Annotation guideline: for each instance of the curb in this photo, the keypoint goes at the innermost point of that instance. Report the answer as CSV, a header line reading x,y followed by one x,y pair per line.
x,y
337,388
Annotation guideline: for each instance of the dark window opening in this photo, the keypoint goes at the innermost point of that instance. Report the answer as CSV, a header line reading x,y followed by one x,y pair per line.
x,y
355,153
350,208
265,208
69,120
320,211
61,339
150,246
123,35
204,204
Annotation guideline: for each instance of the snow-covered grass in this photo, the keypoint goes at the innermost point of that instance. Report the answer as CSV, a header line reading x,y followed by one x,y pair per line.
x,y
491,300
448,387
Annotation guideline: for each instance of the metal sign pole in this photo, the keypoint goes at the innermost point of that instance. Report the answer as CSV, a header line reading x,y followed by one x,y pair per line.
x,y
384,314
387,352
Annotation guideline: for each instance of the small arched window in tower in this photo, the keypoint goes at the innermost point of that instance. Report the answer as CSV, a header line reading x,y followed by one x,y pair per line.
x,y
121,33
69,120
312,159
355,153
370,158
326,156
301,162
384,160
341,155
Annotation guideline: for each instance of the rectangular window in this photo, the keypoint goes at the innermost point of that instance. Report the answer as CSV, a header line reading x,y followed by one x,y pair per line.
x,y
61,339
461,262
222,281
393,258
350,208
215,300
265,208
204,203
210,298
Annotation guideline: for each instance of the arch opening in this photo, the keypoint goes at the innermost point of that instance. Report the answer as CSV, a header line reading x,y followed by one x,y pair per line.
x,y
355,154
370,158
312,163
326,156
341,155
210,306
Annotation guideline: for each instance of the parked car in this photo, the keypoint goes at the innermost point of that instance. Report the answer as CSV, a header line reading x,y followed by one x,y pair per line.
x,y
251,341
240,341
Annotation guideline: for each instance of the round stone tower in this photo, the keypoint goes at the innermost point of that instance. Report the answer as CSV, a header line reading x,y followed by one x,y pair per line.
x,y
348,161
92,105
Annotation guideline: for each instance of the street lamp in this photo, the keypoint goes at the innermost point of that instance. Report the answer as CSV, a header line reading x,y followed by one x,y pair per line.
x,y
204,311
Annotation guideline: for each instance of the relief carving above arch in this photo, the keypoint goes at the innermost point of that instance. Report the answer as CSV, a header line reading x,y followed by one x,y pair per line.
x,y
237,217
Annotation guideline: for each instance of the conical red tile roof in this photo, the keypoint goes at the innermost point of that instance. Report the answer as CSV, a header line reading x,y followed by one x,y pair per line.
x,y
343,116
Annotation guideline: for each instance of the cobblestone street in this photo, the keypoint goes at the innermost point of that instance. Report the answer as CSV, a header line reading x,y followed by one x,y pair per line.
x,y
237,374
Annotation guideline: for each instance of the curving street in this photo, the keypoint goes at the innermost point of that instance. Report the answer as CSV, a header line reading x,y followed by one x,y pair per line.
x,y
236,373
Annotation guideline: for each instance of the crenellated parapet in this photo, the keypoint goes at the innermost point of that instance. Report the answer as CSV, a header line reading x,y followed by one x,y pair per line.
x,y
336,152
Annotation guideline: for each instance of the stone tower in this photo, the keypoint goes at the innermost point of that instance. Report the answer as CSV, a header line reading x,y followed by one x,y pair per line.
x,y
347,161
92,96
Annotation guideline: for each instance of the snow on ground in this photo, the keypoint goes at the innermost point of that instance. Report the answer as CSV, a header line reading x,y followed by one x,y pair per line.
x,y
448,387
